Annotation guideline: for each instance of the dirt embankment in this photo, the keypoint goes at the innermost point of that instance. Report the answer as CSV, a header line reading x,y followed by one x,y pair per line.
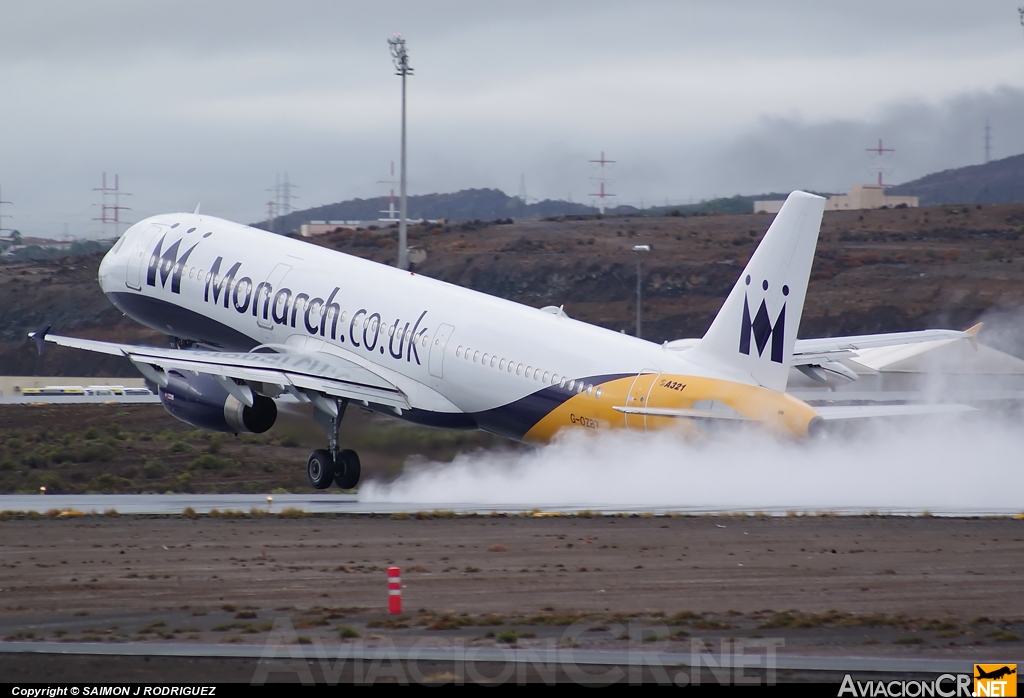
x,y
885,270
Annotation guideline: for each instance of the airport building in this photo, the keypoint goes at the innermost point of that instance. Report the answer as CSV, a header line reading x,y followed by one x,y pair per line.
x,y
317,228
861,196
13,386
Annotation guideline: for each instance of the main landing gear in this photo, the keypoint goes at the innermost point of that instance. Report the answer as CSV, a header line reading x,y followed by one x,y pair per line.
x,y
340,466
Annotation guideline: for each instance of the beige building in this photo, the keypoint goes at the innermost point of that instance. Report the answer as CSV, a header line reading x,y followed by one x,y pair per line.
x,y
315,228
868,196
861,196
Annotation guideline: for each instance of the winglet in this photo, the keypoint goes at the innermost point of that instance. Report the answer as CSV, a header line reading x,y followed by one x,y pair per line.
x,y
196,212
39,336
972,335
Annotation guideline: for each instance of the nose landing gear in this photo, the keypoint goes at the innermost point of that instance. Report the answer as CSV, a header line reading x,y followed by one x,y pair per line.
x,y
333,465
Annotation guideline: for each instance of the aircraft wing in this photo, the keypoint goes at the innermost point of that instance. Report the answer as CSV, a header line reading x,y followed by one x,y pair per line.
x,y
304,374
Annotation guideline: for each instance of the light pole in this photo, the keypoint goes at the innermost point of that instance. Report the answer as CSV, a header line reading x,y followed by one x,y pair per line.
x,y
639,248
401,58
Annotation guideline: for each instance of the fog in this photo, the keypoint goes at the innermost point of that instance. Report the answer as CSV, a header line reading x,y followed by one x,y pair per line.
x,y
959,465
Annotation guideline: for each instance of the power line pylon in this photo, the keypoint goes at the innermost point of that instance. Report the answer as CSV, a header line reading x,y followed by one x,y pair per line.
x,y
110,214
601,179
392,218
880,151
4,215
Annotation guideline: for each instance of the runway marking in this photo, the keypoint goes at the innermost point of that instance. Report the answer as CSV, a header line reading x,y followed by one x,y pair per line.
x,y
176,504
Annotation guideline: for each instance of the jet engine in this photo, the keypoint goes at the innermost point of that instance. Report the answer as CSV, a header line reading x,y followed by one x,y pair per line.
x,y
200,400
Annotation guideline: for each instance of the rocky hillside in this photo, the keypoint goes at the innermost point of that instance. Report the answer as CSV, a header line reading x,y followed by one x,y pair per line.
x,y
875,271
996,182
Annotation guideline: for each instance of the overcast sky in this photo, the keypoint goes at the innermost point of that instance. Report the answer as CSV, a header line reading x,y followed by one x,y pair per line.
x,y
207,101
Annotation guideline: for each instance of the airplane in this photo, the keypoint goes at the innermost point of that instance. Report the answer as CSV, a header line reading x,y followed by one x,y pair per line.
x,y
255,316
995,673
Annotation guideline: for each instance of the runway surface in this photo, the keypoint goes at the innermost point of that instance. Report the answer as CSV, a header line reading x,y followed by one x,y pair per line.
x,y
359,651
172,504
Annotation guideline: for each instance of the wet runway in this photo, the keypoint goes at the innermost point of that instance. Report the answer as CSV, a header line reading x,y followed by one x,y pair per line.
x,y
173,504
360,651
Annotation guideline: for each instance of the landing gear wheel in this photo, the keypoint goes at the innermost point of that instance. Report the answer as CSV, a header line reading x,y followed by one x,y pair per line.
x,y
320,469
347,469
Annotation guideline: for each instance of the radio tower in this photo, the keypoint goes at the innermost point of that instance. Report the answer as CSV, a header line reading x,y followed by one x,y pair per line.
x,y
601,193
392,218
880,151
110,214
4,215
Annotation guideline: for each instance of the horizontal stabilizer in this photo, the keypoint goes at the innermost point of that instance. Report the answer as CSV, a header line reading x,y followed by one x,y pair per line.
x,y
840,412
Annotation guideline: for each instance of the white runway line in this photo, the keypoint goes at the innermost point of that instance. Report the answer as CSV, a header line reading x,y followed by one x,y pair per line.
x,y
174,504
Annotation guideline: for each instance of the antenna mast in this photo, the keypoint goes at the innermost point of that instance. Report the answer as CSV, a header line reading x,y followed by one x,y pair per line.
x,y
4,215
391,197
602,194
111,214
880,151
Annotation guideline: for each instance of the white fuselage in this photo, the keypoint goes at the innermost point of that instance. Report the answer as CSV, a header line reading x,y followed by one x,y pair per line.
x,y
453,351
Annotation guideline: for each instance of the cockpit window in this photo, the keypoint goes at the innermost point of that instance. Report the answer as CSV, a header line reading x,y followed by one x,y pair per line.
x,y
117,245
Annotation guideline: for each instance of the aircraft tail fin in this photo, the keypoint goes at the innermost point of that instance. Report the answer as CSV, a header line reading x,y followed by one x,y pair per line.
x,y
754,332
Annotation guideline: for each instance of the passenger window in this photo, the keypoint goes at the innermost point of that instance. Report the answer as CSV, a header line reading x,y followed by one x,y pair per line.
x,y
494,359
529,369
484,361
519,370
458,352
598,393
476,356
545,378
501,365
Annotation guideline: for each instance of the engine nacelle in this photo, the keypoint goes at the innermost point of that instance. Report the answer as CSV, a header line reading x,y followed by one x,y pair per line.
x,y
201,401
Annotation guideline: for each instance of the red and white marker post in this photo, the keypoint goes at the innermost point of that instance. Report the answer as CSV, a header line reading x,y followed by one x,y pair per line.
x,y
394,590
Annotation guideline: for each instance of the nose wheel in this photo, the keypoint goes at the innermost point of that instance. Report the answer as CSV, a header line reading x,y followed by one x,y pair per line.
x,y
340,466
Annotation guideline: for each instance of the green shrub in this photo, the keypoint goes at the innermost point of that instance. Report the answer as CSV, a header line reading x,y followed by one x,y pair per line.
x,y
153,469
108,483
35,460
91,433
180,447
210,462
96,452
185,482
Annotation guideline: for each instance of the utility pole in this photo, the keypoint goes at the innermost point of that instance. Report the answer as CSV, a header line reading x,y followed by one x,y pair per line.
x,y
639,249
400,56
988,142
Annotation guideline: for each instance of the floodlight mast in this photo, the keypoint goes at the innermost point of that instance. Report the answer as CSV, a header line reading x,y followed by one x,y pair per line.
x,y
400,56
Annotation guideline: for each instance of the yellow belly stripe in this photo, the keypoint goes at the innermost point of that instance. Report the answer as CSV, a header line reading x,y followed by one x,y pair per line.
x,y
779,412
